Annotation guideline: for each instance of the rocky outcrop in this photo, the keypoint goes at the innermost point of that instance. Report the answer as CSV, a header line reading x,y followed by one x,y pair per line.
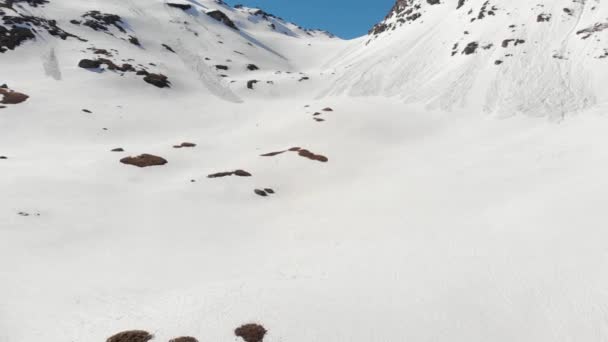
x,y
223,18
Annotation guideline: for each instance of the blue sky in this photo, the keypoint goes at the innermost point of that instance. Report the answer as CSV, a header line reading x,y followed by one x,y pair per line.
x,y
345,18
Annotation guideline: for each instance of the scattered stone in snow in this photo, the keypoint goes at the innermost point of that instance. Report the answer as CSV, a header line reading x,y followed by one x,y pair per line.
x,y
144,160
168,48
87,111
305,78
101,21
272,154
328,109
184,339
26,214
239,173
251,332
269,190
252,67
319,119
223,18
89,64
133,40
183,7
250,83
3,157
316,114
159,80
471,48
118,149
185,144
263,194
221,67
131,336
12,97
312,156
543,17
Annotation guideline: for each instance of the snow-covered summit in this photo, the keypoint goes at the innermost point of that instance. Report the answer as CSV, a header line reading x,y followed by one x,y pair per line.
x,y
546,58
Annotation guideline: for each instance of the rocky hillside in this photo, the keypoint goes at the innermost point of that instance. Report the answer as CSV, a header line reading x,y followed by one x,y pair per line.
x,y
543,58
186,45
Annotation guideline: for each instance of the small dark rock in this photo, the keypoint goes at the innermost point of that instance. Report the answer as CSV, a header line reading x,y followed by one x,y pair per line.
x,y
118,149
184,339
168,48
263,194
144,160
184,7
269,190
242,173
158,80
252,67
87,111
89,64
131,336
251,332
251,83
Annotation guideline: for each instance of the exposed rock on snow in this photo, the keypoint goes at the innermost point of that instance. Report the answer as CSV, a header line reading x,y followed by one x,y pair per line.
x,y
251,332
185,144
239,173
12,97
184,339
158,80
223,18
144,160
131,336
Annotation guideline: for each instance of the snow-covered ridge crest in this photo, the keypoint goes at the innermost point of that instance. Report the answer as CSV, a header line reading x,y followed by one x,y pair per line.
x,y
507,57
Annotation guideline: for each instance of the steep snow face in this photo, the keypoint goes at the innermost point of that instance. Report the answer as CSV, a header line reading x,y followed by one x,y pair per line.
x,y
543,58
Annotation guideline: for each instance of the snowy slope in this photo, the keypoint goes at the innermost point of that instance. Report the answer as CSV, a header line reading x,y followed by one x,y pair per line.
x,y
538,58
399,221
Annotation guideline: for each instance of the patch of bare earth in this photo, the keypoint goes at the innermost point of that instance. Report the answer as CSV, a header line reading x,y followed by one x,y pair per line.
x,y
251,332
12,97
184,339
239,173
131,336
301,152
144,160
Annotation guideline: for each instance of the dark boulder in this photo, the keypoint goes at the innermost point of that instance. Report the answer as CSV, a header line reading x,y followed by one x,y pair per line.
x,y
184,7
89,64
223,18
158,80
144,160
252,332
131,336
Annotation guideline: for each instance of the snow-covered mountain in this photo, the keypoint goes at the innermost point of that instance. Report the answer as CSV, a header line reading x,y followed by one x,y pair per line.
x,y
187,167
540,58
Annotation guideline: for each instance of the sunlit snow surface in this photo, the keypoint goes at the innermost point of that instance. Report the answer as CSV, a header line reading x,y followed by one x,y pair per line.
x,y
465,222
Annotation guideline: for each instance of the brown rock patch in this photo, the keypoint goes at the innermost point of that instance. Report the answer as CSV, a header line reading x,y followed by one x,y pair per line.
x,y
184,339
251,332
12,97
185,144
131,336
144,160
239,173
313,156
